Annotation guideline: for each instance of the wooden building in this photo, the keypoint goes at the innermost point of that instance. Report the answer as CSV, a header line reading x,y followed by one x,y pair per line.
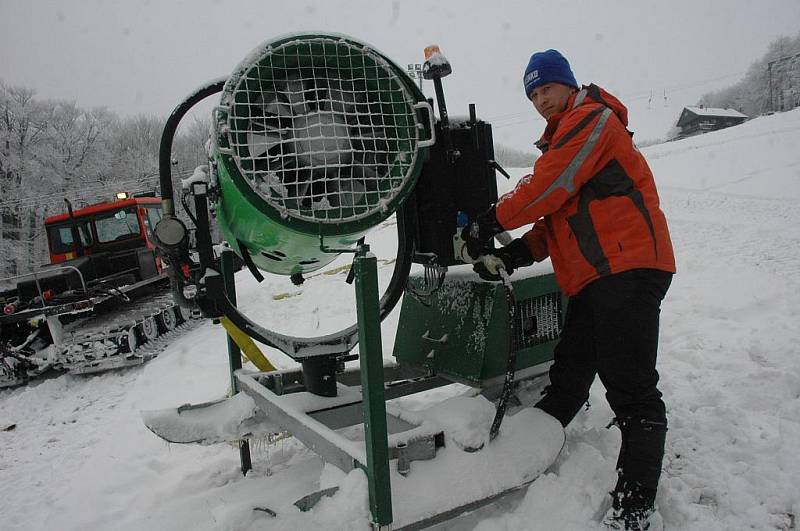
x,y
698,120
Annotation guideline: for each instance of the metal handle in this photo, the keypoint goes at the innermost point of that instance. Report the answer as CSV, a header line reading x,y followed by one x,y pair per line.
x,y
36,274
214,121
220,108
432,140
504,238
442,340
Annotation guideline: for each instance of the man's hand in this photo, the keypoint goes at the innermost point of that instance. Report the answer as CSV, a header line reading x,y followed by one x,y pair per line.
x,y
514,255
479,233
488,267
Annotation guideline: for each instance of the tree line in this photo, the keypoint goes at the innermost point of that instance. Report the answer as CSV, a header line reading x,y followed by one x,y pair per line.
x,y
751,95
51,150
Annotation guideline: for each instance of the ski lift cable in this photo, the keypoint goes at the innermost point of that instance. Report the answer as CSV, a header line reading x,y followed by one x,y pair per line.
x,y
98,190
46,198
628,98
85,193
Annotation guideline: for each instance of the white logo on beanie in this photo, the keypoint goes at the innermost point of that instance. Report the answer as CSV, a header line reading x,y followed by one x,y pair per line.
x,y
533,75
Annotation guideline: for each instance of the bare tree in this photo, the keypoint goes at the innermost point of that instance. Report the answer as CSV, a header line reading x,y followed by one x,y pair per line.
x,y
50,149
751,95
23,127
74,154
513,158
189,146
133,144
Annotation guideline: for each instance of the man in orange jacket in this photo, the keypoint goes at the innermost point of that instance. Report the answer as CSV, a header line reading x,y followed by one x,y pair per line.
x,y
595,212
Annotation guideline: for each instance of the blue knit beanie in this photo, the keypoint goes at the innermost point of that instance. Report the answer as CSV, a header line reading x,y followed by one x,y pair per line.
x,y
548,67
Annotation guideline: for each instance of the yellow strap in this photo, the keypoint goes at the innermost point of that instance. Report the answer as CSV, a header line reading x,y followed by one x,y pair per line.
x,y
248,347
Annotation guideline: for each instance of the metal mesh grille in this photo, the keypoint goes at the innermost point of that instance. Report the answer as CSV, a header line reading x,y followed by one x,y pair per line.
x,y
538,320
323,129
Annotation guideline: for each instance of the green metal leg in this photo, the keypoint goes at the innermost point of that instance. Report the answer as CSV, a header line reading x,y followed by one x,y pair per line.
x,y
371,358
234,354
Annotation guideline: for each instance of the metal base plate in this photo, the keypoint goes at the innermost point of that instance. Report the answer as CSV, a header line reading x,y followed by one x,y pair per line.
x,y
218,421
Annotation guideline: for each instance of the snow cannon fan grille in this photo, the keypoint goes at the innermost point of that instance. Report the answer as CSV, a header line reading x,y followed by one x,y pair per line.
x,y
321,134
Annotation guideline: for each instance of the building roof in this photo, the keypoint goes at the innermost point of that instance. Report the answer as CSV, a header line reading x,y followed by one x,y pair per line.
x,y
690,114
711,111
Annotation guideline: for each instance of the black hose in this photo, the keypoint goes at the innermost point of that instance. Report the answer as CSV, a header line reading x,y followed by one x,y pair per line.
x,y
511,361
165,148
165,175
337,343
186,208
407,213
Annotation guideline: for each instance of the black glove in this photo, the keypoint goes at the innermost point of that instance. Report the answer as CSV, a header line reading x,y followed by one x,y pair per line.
x,y
479,233
514,255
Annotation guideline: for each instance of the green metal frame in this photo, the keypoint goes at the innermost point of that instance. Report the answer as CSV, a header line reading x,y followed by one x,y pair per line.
x,y
372,397
316,428
365,267
234,353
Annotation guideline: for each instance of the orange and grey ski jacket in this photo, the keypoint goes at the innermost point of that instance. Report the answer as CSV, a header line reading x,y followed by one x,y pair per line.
x,y
591,196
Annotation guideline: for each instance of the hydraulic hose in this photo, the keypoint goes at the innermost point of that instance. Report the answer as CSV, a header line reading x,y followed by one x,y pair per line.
x,y
511,361
165,148
340,342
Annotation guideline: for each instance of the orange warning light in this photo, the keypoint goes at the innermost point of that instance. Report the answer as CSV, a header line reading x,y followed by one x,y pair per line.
x,y
430,50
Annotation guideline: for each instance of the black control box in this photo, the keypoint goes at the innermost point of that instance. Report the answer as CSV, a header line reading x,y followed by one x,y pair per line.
x,y
459,177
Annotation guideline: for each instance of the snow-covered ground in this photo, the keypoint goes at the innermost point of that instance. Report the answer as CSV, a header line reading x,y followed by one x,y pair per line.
x,y
79,457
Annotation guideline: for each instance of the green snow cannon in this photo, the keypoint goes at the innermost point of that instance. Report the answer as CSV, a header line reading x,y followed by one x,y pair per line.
x,y
317,139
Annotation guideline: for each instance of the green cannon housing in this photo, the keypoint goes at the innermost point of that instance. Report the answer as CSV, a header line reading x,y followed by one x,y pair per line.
x,y
317,139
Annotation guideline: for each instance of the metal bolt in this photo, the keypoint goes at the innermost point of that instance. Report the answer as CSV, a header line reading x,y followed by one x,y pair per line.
x,y
403,464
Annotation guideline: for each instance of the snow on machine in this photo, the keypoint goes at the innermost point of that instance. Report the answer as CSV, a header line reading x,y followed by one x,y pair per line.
x,y
100,304
316,140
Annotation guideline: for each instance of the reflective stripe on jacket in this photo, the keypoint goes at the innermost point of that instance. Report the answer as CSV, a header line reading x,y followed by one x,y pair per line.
x,y
595,195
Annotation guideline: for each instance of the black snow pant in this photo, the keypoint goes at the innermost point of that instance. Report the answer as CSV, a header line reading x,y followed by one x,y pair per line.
x,y
611,329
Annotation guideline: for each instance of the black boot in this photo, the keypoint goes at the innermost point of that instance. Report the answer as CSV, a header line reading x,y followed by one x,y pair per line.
x,y
631,507
639,468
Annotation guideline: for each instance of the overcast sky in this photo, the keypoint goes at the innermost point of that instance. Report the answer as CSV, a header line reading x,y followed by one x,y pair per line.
x,y
137,56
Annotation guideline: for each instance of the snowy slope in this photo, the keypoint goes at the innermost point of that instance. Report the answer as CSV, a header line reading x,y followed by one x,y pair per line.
x,y
80,458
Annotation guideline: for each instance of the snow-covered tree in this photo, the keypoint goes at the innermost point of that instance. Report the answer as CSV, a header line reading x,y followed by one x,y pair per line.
x,y
513,158
751,95
133,143
73,155
23,130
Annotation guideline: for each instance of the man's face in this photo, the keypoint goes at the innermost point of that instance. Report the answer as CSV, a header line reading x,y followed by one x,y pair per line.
x,y
550,98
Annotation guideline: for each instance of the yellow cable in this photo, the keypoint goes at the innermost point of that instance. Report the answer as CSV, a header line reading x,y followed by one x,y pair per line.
x,y
248,347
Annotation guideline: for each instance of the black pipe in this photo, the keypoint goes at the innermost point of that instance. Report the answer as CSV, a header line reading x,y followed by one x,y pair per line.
x,y
340,342
205,250
77,242
443,116
511,360
165,149
165,179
